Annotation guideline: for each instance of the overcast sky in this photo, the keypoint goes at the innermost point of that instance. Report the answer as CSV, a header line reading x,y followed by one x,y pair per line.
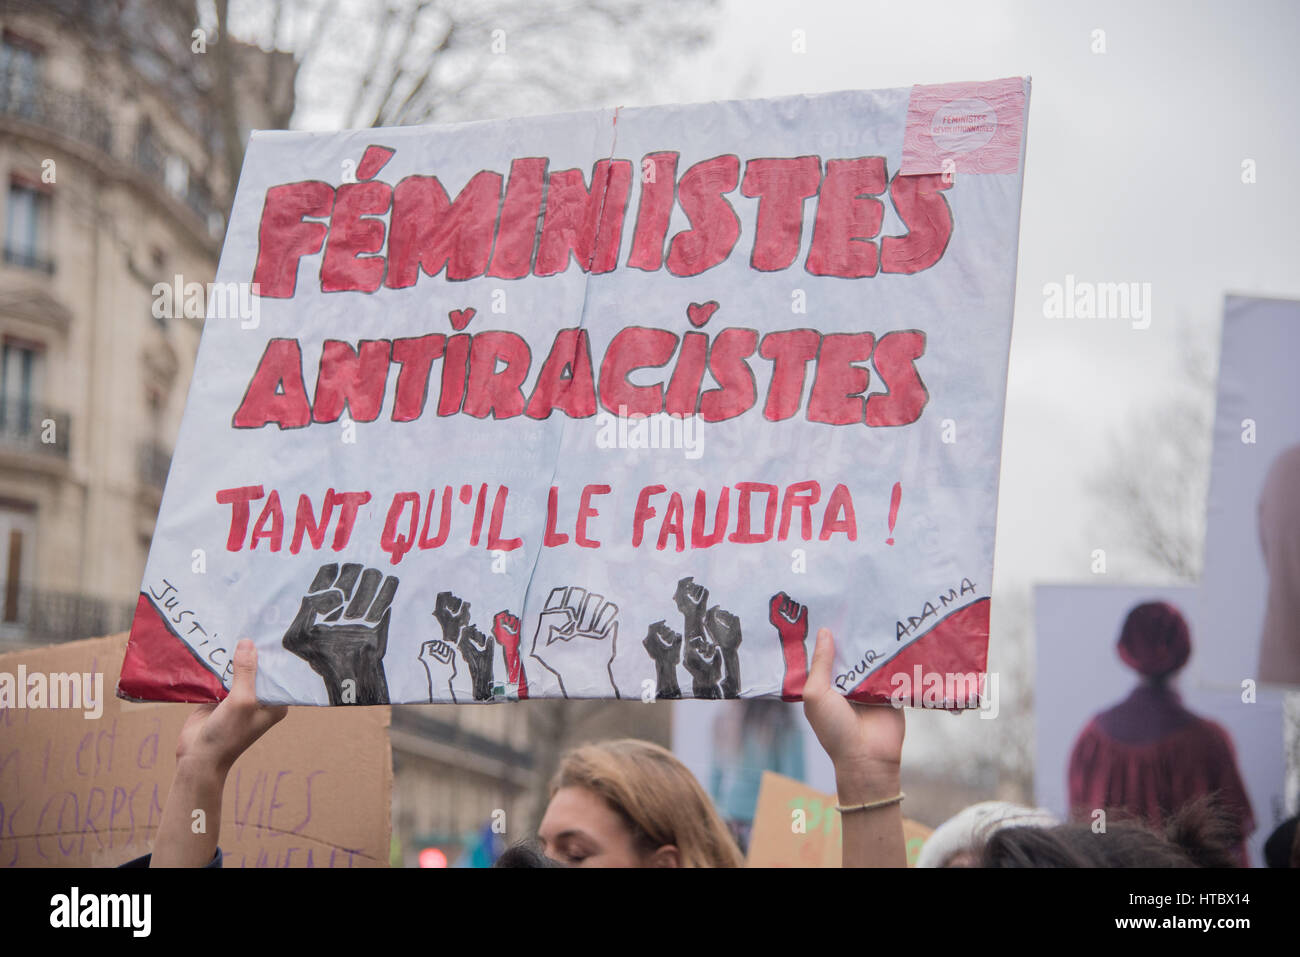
x,y
1133,174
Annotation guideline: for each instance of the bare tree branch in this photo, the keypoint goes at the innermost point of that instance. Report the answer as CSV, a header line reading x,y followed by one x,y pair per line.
x,y
382,112
558,55
373,64
1151,490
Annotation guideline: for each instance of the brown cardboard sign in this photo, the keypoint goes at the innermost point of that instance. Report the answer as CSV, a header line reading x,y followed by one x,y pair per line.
x,y
782,839
84,775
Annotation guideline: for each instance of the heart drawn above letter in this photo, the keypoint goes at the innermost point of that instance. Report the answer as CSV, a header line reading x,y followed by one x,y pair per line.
x,y
700,313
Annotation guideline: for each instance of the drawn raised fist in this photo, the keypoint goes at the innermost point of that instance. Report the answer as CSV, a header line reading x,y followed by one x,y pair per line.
x,y
439,660
576,640
665,647
724,629
712,639
791,622
477,649
452,614
506,629
341,631
702,659
692,600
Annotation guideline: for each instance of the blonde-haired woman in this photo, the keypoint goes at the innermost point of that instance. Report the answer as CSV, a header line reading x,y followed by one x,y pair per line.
x,y
630,803
624,803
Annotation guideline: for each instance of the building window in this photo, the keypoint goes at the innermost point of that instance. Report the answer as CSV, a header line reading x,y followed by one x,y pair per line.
x,y
20,386
27,226
176,176
17,533
148,154
20,64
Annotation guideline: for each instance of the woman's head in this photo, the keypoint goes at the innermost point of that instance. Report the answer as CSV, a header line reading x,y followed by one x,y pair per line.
x,y
630,803
957,842
1200,834
1155,641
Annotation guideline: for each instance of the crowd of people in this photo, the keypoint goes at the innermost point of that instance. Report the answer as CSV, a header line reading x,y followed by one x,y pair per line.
x,y
631,803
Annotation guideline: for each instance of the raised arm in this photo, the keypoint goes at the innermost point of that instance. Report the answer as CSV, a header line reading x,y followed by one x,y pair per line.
x,y
865,743
213,737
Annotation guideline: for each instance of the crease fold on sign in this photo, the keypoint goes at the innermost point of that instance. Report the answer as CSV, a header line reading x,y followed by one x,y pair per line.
x,y
582,325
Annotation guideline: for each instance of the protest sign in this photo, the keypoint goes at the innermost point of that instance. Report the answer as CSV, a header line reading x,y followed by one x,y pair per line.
x,y
615,404
84,776
1252,537
797,826
1169,752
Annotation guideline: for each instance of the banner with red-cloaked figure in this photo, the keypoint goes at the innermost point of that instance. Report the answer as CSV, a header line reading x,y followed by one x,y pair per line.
x,y
618,404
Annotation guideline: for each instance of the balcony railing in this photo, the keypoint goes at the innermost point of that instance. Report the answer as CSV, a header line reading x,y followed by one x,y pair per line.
x,y
33,428
71,114
85,120
40,615
28,260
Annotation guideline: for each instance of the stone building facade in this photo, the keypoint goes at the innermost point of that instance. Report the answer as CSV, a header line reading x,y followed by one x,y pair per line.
x,y
108,186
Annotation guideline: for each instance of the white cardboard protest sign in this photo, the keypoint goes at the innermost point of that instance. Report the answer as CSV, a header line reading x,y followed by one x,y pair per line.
x,y
1252,564
625,403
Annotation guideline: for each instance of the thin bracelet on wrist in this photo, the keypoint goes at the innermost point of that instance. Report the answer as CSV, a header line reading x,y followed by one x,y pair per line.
x,y
870,805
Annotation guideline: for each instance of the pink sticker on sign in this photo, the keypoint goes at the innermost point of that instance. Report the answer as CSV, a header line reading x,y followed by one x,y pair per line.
x,y
965,128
